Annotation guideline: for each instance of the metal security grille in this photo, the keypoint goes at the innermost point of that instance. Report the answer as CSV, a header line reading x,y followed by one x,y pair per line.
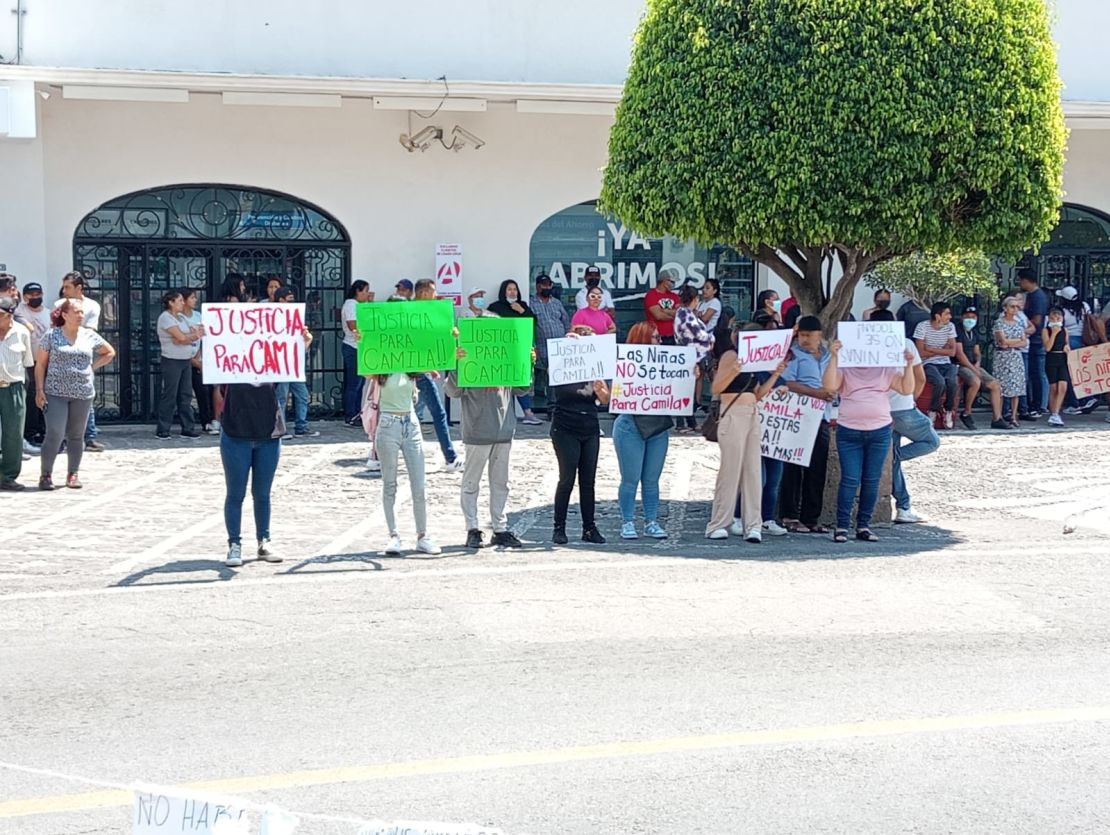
x,y
134,248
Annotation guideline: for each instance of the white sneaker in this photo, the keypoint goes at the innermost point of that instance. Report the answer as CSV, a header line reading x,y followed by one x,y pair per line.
x,y
234,556
628,531
1072,410
30,448
288,436
213,428
455,466
754,536
394,546
736,528
373,465
720,533
949,420
932,419
907,517
1055,420
773,528
265,553
425,545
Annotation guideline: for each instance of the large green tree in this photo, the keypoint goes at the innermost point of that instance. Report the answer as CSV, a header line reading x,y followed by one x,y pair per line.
x,y
813,132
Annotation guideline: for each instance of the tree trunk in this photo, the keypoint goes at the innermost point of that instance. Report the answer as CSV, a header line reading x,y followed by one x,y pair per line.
x,y
882,515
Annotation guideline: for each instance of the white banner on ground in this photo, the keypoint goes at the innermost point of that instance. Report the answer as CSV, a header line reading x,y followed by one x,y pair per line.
x,y
788,426
581,360
872,344
425,828
653,380
763,350
253,343
449,281
172,812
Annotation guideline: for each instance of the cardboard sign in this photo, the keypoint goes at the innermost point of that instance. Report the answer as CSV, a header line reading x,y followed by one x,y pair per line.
x,y
171,812
653,380
872,344
405,336
498,352
788,426
763,350
1090,370
581,360
449,272
252,343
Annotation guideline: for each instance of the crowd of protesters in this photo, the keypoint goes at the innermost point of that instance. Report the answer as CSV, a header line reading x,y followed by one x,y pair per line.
x,y
50,355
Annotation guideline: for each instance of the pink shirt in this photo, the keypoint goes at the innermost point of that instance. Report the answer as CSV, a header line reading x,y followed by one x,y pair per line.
x,y
865,397
598,319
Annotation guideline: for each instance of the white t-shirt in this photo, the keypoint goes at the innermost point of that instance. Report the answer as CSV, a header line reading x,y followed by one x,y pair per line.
x,y
715,306
194,320
606,299
37,319
91,312
349,315
904,402
1021,317
170,349
1074,324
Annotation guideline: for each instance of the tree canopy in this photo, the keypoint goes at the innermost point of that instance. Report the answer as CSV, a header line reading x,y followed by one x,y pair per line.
x,y
802,131
928,277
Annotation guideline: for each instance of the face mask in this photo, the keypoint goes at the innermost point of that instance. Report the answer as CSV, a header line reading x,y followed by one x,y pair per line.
x,y
883,305
776,305
1055,323
545,292
478,302
35,303
511,297
593,282
970,324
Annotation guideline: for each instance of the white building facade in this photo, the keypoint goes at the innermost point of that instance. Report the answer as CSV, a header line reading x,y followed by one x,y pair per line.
x,y
153,144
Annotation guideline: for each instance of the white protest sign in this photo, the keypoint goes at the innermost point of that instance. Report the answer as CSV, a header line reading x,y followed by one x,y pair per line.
x,y
253,343
425,828
171,812
788,426
872,344
763,350
581,360
277,821
653,380
449,272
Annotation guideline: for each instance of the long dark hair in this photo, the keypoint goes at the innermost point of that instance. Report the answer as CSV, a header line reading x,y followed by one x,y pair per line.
x,y
688,294
357,286
1072,306
761,299
723,331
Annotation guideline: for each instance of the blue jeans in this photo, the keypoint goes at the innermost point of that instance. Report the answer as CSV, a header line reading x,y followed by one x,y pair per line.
x,y
772,479
525,401
259,460
1037,385
862,455
923,439
90,425
430,396
397,437
300,403
352,383
641,464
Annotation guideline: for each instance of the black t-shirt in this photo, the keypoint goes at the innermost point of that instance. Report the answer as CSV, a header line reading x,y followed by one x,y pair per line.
x,y
968,340
251,413
575,409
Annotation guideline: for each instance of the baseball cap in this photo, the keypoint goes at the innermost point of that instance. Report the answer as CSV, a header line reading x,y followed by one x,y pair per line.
x,y
544,278
404,284
971,309
32,287
1069,293
593,271
8,304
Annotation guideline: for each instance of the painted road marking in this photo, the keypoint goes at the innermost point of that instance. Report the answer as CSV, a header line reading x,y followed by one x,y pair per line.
x,y
469,764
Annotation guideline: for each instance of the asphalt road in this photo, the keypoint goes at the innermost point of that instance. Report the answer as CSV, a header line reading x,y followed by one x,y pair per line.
x,y
954,678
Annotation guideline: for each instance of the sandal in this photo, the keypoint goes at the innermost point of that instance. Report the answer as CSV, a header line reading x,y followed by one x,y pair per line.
x,y
865,535
818,529
841,535
794,526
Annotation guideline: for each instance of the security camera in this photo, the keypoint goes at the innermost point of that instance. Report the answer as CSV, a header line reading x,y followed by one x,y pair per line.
x,y
461,137
422,140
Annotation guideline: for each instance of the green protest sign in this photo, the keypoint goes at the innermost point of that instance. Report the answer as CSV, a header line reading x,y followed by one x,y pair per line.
x,y
405,336
498,352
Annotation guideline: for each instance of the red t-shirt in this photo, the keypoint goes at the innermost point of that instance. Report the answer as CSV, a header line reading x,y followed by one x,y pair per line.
x,y
667,301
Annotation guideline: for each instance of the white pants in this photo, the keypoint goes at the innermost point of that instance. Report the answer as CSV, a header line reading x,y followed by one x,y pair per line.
x,y
478,458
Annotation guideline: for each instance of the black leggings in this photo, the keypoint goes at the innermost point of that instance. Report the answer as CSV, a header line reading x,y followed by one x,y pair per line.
x,y
577,455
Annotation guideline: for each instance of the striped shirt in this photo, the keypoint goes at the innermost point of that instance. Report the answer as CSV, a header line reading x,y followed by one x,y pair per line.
x,y
935,338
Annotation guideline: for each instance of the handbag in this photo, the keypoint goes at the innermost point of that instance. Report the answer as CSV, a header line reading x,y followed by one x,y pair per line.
x,y
1094,330
709,428
652,425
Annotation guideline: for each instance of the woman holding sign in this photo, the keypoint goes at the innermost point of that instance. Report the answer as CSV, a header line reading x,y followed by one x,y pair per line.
x,y
738,435
863,435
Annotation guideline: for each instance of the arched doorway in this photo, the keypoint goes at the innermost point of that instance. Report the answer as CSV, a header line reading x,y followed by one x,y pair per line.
x,y
137,246
1077,254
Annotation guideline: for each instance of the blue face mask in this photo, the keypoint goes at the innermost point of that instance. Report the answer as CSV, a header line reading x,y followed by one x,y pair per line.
x,y
970,324
479,302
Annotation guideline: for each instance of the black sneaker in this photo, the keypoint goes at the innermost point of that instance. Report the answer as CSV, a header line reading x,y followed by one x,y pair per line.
x,y
162,436
1000,424
190,434
593,536
474,538
1087,408
94,446
1029,416
355,421
969,422
12,486
559,535
506,539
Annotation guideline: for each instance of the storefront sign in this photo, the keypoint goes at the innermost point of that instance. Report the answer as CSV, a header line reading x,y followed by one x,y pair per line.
x,y
581,360
1090,369
405,336
872,344
252,343
763,350
498,352
788,426
653,380
449,272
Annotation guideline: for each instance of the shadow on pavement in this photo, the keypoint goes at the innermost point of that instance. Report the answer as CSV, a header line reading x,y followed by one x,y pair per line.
x,y
221,571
